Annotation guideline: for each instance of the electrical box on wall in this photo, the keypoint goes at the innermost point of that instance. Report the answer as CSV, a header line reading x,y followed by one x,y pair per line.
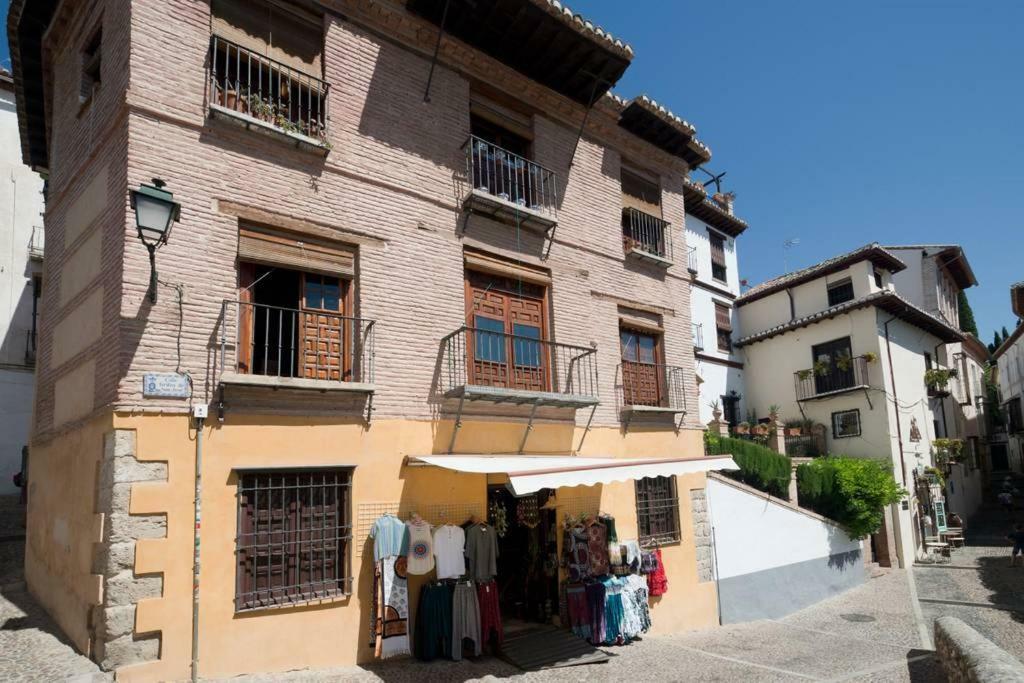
x,y
200,411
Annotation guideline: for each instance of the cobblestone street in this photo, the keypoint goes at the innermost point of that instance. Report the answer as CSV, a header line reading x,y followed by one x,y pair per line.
x,y
867,634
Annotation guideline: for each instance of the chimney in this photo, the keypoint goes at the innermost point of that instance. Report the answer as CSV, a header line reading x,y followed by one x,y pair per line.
x,y
725,200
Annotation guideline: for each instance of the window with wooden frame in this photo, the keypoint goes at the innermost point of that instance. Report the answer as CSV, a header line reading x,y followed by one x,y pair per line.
x,y
92,58
840,292
723,325
643,377
878,278
294,533
845,424
508,325
657,509
718,267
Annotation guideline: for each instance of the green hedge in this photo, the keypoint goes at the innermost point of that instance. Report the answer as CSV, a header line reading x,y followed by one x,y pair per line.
x,y
760,467
852,491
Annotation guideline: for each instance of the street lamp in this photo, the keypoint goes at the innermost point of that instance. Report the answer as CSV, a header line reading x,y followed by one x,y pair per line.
x,y
155,211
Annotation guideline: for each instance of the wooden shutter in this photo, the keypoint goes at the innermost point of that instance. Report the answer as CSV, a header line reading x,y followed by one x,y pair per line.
x,y
280,31
717,249
486,263
280,248
640,193
722,320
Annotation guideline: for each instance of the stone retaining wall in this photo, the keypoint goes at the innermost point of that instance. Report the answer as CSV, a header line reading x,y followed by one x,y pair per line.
x,y
966,655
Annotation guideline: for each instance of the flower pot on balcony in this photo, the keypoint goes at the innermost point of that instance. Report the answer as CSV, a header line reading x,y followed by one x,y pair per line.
x,y
793,431
743,428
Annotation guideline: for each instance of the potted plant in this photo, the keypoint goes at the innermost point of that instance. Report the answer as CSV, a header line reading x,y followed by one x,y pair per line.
x,y
261,108
947,450
822,367
804,375
773,412
870,357
938,378
716,412
794,428
743,428
843,361
760,429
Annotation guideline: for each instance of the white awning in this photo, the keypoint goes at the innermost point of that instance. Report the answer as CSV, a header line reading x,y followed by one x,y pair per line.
x,y
530,473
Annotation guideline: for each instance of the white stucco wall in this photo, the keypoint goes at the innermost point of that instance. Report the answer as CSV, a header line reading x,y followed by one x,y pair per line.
x,y
964,489
21,206
718,378
1010,377
753,534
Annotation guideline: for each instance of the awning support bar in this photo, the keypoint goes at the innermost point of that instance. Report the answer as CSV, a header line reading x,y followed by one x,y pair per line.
x,y
529,428
437,49
458,424
586,429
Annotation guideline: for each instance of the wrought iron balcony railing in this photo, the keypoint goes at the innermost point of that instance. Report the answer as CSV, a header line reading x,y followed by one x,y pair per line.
x,y
247,83
518,367
645,234
500,174
691,260
698,336
652,386
811,384
37,243
271,341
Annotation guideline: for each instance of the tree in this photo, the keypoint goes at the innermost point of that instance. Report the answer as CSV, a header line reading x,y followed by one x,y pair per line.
x,y
852,491
967,323
1006,335
996,341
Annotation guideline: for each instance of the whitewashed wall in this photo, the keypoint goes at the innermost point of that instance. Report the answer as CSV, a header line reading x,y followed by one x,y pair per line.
x,y
772,559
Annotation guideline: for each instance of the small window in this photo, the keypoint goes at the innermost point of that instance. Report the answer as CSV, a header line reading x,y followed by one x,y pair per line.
x,y
846,424
840,292
718,269
489,339
323,293
294,529
91,63
927,361
878,278
640,193
723,325
657,509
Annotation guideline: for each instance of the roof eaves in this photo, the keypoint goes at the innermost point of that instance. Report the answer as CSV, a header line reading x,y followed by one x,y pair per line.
x,y
585,27
1014,336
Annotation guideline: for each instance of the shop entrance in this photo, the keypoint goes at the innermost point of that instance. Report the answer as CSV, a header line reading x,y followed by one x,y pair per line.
x,y
527,558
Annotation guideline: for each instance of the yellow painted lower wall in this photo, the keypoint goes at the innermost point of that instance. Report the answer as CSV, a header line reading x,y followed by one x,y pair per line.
x,y
63,526
336,633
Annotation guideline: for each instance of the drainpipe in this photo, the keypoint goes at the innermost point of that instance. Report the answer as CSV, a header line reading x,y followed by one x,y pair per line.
x,y
895,398
195,550
942,401
792,304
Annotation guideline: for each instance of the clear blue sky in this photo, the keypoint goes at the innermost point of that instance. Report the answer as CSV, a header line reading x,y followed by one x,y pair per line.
x,y
842,123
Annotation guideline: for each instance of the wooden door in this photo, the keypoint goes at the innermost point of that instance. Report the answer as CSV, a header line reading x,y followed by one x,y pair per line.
x,y
508,326
245,316
642,380
323,330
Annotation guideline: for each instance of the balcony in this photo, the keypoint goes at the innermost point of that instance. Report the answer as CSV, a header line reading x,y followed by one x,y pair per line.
x,y
698,336
652,388
267,96
509,188
691,260
646,237
491,366
37,243
811,384
282,348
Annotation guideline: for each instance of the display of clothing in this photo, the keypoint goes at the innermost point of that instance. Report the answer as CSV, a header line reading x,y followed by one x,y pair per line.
x,y
657,582
632,554
450,551
433,634
613,611
577,553
597,541
648,562
636,617
465,619
390,537
490,612
595,610
420,547
609,523
390,618
579,614
482,552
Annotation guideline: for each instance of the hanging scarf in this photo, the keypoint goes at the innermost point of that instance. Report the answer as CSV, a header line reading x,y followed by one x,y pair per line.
x,y
390,608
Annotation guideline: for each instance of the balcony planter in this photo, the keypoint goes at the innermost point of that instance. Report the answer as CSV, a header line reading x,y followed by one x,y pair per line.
x,y
743,428
870,357
937,379
804,375
822,368
793,431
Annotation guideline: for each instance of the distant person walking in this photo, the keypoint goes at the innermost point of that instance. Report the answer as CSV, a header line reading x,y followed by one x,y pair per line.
x,y
1017,538
1006,500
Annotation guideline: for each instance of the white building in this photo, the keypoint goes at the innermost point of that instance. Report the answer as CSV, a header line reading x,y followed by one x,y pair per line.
x,y
834,344
1007,448
934,277
21,254
711,234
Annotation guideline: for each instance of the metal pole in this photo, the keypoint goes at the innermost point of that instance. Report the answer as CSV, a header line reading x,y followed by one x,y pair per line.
x,y
195,550
437,49
151,248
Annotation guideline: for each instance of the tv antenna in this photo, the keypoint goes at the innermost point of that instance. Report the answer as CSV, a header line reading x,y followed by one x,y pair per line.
x,y
716,179
786,246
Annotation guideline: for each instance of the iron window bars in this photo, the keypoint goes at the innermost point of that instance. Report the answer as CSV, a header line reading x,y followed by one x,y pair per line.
x,y
657,510
294,531
502,174
644,232
267,90
482,357
275,341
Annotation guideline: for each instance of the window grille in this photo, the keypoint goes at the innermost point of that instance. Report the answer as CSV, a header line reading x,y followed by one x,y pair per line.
x,y
846,423
718,270
657,510
294,530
